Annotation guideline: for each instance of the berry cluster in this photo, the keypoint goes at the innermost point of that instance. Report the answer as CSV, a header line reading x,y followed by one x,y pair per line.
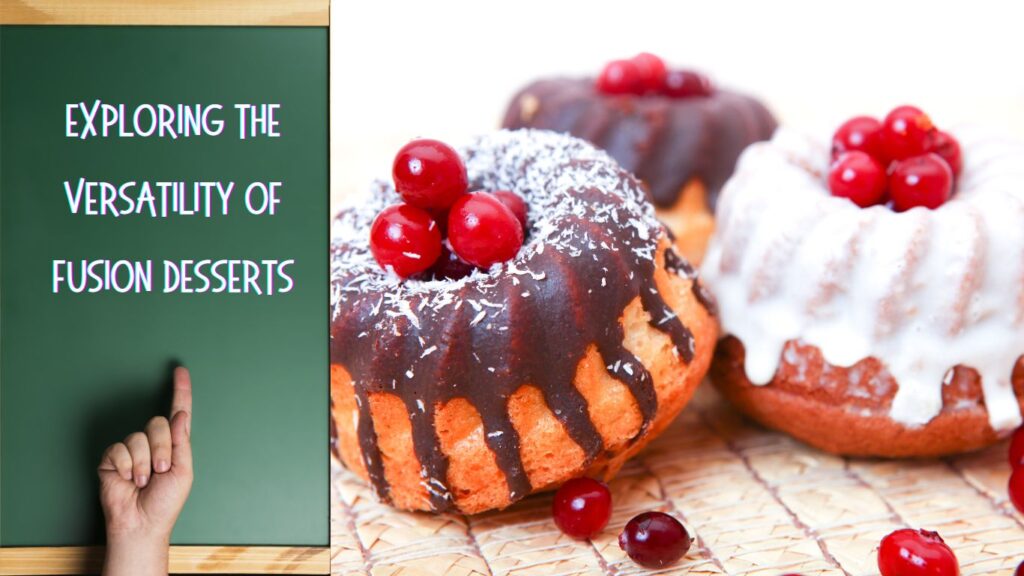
x,y
583,506
646,73
902,161
442,231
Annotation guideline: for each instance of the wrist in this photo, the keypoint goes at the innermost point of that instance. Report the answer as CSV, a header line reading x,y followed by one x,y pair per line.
x,y
136,553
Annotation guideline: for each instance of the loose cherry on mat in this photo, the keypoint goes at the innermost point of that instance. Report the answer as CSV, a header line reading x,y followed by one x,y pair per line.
x,y
620,77
910,552
582,507
405,238
1017,448
861,133
948,148
429,174
906,132
686,84
859,178
654,539
515,203
483,231
652,70
924,180
1016,489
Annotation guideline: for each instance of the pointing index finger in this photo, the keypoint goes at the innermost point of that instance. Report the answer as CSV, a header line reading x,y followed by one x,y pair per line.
x,y
181,401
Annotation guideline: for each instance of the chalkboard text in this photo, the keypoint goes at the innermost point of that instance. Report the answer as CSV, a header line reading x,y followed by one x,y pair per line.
x,y
98,119
260,278
162,199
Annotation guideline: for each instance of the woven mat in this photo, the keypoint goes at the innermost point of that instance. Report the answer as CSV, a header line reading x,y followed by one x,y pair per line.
x,y
758,502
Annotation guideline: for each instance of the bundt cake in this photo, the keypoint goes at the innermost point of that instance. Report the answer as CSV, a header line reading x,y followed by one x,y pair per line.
x,y
682,148
871,330
472,393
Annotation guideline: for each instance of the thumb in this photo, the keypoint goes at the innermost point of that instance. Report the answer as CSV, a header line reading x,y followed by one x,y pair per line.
x,y
181,441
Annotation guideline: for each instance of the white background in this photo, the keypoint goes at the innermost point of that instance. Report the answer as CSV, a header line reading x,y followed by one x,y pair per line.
x,y
447,69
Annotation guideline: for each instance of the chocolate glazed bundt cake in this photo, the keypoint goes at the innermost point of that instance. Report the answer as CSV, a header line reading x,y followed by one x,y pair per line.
x,y
683,149
470,394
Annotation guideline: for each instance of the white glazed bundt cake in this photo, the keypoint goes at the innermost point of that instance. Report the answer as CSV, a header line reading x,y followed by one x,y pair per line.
x,y
867,330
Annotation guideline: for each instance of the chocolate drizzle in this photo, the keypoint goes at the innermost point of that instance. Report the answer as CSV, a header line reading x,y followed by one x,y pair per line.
x,y
666,142
675,264
592,249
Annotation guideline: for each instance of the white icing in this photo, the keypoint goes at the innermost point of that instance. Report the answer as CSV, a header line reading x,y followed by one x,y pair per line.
x,y
922,291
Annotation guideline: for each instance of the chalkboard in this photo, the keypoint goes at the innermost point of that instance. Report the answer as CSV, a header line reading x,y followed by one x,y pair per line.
x,y
79,371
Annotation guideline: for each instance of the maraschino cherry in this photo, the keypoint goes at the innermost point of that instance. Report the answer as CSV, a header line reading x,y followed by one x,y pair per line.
x,y
910,552
1017,449
686,84
515,203
925,180
949,149
859,177
647,73
429,174
1016,488
405,238
906,132
654,539
620,77
651,71
860,133
483,231
1020,570
449,266
582,507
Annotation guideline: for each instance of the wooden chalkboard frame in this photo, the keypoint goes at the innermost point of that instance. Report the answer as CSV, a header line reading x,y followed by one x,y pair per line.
x,y
17,561
59,561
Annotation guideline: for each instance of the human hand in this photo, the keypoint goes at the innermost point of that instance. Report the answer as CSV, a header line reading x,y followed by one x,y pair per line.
x,y
144,482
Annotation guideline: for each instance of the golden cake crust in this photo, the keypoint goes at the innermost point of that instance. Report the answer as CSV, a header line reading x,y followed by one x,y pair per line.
x,y
549,454
690,220
845,410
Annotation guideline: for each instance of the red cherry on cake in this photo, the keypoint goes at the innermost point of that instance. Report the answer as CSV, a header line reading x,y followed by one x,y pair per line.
x,y
858,177
861,133
1017,448
405,238
582,507
651,70
449,266
620,77
686,84
1020,570
906,132
910,552
1016,488
949,149
924,180
654,539
515,203
429,174
483,231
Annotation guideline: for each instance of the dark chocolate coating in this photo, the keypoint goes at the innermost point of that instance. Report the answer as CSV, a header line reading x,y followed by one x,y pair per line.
x,y
530,321
666,142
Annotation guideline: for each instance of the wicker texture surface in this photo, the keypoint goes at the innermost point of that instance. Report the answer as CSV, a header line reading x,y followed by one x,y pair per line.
x,y
758,502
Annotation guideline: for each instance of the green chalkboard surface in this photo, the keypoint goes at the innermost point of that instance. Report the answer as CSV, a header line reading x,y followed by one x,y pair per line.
x,y
79,371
